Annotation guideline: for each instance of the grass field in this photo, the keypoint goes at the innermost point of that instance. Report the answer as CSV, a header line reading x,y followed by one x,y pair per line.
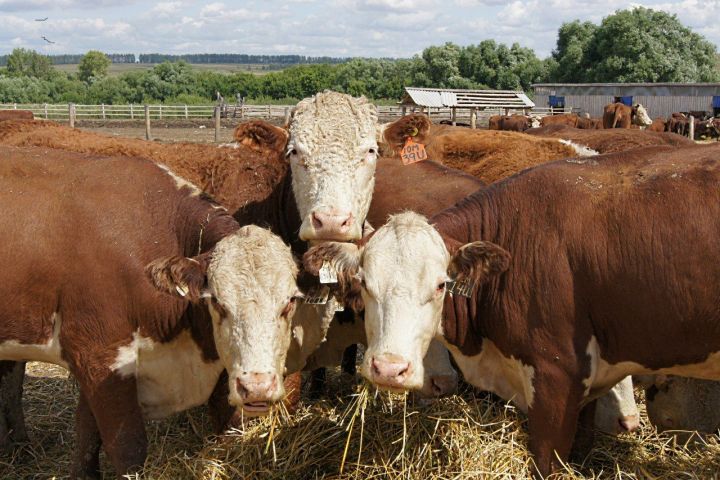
x,y
119,68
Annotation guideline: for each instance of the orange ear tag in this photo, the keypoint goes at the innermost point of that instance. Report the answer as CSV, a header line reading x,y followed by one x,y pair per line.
x,y
412,152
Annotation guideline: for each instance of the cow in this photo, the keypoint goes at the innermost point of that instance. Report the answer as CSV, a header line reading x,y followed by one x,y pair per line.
x,y
487,155
143,288
16,115
678,123
611,140
568,119
567,295
659,124
618,115
616,411
589,123
514,123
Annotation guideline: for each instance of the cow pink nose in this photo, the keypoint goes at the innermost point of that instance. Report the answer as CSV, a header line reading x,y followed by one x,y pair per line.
x,y
629,423
332,223
390,370
257,387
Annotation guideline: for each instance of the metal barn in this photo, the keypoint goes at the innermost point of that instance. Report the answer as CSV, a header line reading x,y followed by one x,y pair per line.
x,y
660,99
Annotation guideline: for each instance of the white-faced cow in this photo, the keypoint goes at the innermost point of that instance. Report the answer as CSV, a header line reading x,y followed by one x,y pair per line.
x,y
90,244
580,273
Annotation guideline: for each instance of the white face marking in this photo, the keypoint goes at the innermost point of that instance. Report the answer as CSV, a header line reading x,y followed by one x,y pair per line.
x,y
252,277
642,118
580,150
50,351
405,267
614,406
332,151
171,377
490,370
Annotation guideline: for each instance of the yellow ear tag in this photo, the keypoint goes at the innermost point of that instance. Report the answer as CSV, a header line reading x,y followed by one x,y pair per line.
x,y
412,152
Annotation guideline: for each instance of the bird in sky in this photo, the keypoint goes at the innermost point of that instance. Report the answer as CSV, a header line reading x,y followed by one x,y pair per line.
x,y
41,19
48,41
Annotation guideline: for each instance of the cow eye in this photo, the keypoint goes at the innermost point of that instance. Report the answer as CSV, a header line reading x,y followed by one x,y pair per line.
x,y
440,288
372,151
292,152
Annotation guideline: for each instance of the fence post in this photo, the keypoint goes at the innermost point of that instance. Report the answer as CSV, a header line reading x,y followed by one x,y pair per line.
x,y
160,111
217,124
186,112
71,114
269,116
132,114
453,117
46,111
473,118
14,106
102,108
147,123
692,127
287,116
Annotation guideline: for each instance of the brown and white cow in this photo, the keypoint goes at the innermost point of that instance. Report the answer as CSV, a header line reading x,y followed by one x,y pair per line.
x,y
514,123
618,115
87,243
568,296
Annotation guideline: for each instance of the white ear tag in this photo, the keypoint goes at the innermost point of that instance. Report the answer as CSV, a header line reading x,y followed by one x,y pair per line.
x,y
318,296
339,307
463,288
182,289
327,273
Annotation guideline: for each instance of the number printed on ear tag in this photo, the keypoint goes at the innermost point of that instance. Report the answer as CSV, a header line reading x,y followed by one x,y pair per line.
x,y
327,273
318,296
464,288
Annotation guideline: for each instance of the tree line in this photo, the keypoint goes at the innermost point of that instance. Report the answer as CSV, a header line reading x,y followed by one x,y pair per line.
x,y
637,45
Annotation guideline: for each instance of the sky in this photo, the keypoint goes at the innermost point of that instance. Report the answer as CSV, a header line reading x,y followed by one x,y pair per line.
x,y
344,28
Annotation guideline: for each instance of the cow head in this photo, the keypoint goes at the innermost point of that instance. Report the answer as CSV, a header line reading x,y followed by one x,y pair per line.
x,y
640,116
403,270
332,152
249,284
616,411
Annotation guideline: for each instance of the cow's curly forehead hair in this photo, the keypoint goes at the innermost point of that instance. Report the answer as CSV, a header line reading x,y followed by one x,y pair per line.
x,y
408,229
332,116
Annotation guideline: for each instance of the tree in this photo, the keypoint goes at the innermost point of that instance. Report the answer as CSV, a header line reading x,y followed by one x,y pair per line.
x,y
94,64
29,63
441,63
637,45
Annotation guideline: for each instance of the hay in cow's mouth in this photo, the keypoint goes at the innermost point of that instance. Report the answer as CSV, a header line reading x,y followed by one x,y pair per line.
x,y
465,436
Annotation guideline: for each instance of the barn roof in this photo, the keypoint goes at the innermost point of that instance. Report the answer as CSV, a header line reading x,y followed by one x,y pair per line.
x,y
658,84
441,97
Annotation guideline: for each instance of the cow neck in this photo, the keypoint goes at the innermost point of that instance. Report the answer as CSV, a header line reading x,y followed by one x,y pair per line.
x,y
200,225
278,212
472,219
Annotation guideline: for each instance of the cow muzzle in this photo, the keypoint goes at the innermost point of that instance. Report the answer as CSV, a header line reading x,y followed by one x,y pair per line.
x,y
256,392
628,423
390,372
330,226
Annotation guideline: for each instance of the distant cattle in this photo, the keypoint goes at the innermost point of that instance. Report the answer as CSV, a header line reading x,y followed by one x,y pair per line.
x,y
514,123
16,115
487,155
611,140
561,307
618,115
569,119
589,123
659,125
106,235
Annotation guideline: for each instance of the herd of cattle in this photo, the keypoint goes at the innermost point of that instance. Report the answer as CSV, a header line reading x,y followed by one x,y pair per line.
x,y
138,267
617,115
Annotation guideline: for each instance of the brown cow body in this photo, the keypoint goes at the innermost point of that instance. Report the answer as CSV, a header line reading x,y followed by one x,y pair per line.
x,y
487,155
94,224
513,123
659,125
612,140
623,280
618,115
16,115
568,119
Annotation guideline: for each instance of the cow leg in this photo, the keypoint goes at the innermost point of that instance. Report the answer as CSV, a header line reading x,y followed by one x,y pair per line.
x,y
114,405
317,382
349,360
12,419
86,464
553,418
585,436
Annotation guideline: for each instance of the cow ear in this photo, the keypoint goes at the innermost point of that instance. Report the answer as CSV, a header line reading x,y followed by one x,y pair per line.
x,y
180,276
476,262
395,134
262,136
343,259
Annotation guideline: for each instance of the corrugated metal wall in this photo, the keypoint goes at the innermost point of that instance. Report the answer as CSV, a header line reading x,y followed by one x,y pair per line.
x,y
657,106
